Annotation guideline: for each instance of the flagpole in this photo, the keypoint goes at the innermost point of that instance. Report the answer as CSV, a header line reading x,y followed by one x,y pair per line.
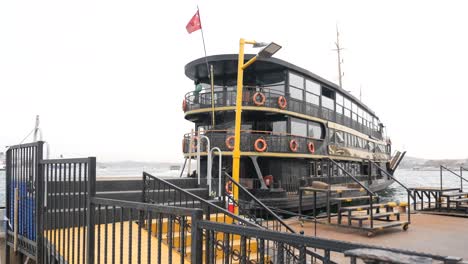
x,y
204,46
209,72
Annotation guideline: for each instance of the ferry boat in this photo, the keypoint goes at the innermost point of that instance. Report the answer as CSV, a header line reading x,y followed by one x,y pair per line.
x,y
294,123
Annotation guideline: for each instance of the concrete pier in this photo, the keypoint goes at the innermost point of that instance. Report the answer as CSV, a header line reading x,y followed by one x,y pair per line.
x,y
435,234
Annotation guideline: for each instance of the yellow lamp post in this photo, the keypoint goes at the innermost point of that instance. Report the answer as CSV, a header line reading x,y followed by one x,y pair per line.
x,y
267,52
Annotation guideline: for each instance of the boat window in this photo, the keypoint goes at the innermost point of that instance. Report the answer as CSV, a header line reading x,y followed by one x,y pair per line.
x,y
312,98
354,116
276,89
359,142
312,87
296,80
331,135
347,103
339,99
370,146
328,103
347,113
339,137
296,93
315,130
298,127
279,126
353,107
339,109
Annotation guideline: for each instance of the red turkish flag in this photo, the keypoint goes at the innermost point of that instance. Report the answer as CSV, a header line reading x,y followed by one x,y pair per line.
x,y
194,24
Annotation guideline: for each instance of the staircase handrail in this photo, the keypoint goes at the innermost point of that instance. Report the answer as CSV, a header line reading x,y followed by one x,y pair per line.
x,y
353,178
262,205
449,170
442,167
277,218
391,176
201,200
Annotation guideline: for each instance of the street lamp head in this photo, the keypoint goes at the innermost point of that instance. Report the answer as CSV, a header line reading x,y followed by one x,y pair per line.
x,y
260,44
269,50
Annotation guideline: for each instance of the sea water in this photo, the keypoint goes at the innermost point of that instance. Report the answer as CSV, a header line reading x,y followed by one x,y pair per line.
x,y
395,192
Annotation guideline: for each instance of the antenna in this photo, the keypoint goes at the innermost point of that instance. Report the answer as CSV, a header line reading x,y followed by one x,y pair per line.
x,y
360,93
338,51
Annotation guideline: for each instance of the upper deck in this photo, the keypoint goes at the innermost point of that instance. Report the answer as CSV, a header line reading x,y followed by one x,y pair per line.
x,y
308,96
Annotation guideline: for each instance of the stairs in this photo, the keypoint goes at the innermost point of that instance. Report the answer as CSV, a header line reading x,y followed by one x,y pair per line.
x,y
181,239
459,198
371,218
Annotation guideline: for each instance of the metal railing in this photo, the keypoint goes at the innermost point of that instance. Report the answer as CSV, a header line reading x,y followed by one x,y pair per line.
x,y
122,231
68,184
442,168
24,189
276,142
226,96
299,243
126,232
409,193
257,210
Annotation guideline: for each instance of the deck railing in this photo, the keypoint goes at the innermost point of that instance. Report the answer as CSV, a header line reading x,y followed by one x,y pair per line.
x,y
276,142
226,96
460,176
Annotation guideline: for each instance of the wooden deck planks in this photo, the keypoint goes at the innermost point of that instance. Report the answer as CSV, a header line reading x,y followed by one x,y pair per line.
x,y
73,252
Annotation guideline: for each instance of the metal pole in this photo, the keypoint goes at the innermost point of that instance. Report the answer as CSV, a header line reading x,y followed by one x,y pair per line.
x,y
91,210
441,178
236,154
198,155
212,98
219,168
190,152
461,179
208,162
237,130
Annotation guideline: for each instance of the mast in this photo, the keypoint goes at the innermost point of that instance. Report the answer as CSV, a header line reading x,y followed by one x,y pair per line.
x,y
338,51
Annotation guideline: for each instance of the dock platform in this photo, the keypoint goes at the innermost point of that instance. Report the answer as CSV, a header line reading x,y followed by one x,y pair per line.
x,y
434,233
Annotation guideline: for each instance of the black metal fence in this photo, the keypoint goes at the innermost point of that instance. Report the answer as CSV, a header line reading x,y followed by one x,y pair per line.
x,y
23,199
73,225
305,247
68,183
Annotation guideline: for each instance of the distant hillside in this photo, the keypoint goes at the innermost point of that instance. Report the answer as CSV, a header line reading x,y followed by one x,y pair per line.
x,y
412,162
135,164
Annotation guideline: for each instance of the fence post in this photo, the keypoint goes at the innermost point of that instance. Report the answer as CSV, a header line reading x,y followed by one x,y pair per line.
x,y
40,196
197,237
8,203
91,209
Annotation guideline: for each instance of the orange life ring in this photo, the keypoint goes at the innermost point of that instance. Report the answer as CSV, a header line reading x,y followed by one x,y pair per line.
x,y
228,142
263,145
293,146
228,187
282,102
184,105
261,101
311,147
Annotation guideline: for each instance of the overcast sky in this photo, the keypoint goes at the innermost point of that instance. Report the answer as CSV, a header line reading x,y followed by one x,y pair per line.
x,y
107,77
